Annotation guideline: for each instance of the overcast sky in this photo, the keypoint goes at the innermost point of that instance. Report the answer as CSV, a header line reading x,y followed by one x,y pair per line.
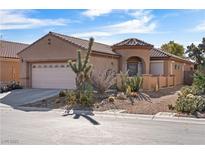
x,y
106,26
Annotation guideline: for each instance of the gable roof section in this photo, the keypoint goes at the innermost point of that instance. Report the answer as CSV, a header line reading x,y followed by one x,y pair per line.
x,y
132,42
81,43
157,53
106,49
10,49
97,47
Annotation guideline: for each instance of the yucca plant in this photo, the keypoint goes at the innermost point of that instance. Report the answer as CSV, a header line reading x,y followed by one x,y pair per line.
x,y
134,83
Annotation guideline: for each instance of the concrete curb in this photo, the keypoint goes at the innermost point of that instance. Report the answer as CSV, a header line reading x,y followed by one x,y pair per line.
x,y
161,116
157,117
32,108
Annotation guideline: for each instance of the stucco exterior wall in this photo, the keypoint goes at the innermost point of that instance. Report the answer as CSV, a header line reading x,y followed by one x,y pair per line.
x,y
152,82
177,68
58,51
102,63
144,54
52,49
43,51
9,70
189,67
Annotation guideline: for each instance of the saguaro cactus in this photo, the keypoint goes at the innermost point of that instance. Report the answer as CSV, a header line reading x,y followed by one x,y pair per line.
x,y
82,67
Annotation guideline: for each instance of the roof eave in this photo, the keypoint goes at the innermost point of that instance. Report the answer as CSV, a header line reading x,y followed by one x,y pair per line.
x,y
132,47
75,44
19,53
181,60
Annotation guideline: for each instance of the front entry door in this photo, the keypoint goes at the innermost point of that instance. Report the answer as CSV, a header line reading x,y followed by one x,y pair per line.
x,y
132,69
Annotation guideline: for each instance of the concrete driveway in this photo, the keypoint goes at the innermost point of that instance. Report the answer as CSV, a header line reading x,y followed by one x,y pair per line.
x,y
20,97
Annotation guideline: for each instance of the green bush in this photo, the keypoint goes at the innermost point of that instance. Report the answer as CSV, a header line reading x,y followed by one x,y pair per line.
x,y
11,86
189,102
71,97
188,90
62,93
134,83
199,81
84,98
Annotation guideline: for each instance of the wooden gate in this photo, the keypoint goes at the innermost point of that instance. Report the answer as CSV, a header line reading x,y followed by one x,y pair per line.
x,y
188,77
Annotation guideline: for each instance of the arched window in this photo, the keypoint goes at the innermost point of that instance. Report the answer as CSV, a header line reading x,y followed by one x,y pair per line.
x,y
134,66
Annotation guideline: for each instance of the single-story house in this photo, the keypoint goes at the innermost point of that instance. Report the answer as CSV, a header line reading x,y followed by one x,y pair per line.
x,y
9,61
44,63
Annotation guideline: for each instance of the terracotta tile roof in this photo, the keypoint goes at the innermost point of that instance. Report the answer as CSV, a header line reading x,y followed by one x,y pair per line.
x,y
98,47
157,53
132,42
10,49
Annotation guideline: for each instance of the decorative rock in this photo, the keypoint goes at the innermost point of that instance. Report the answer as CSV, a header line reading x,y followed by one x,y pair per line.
x,y
111,99
57,101
121,96
200,115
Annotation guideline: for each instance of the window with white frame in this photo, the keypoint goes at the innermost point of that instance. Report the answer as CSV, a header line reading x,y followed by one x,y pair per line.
x,y
157,67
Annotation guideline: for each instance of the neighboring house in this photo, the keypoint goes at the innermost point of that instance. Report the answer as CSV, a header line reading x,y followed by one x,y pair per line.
x,y
44,63
9,61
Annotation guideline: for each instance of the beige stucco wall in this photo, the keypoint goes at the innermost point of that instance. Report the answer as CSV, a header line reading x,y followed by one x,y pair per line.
x,y
189,67
102,63
144,54
58,51
42,51
169,68
9,69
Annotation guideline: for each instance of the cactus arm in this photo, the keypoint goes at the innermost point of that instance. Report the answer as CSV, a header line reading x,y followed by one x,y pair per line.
x,y
79,60
88,52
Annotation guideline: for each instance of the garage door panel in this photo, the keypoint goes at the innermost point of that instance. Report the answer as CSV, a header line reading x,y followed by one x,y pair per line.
x,y
52,75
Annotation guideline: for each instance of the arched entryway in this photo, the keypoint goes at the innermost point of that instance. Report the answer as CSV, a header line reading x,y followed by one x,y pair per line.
x,y
135,66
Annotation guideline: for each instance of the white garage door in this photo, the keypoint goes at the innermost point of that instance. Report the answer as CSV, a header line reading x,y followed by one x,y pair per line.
x,y
52,75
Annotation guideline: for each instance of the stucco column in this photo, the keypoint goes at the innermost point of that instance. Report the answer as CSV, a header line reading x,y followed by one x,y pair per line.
x,y
167,67
24,73
124,64
147,66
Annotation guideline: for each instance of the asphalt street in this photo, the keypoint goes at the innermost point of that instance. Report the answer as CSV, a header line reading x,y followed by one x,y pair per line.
x,y
50,127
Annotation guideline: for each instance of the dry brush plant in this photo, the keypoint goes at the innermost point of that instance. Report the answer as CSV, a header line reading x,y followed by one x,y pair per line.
x,y
103,80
